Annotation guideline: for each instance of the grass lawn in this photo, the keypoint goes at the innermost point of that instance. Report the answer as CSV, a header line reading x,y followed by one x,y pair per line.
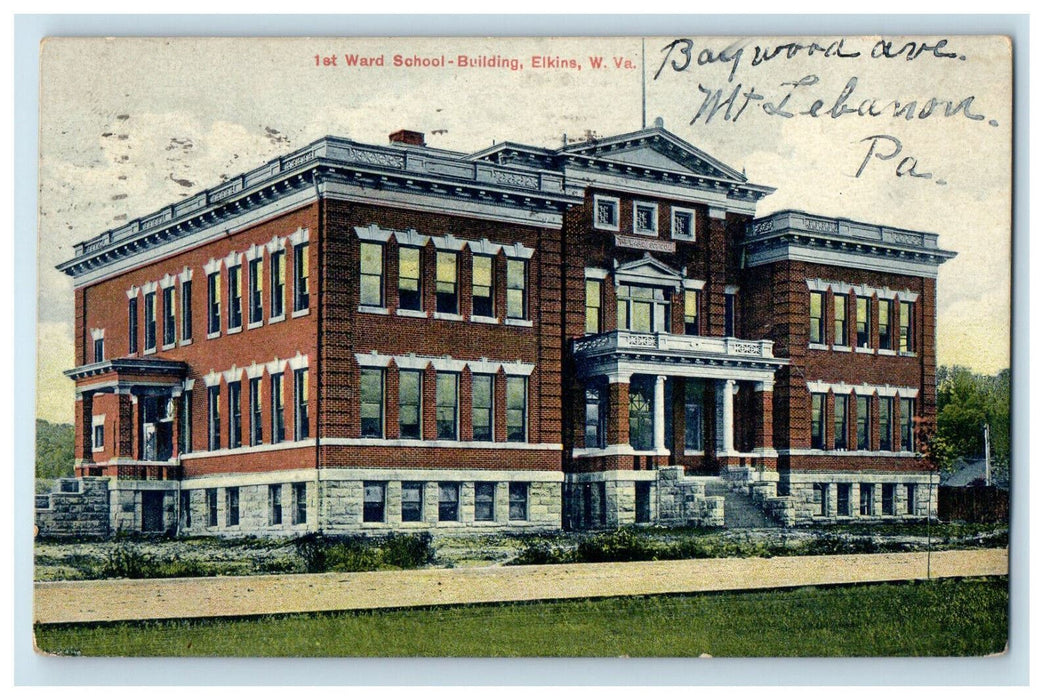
x,y
928,618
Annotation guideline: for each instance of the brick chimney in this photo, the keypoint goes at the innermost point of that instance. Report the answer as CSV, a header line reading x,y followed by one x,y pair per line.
x,y
413,138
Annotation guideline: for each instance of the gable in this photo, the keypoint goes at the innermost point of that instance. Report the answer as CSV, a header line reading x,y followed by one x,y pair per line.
x,y
648,270
656,149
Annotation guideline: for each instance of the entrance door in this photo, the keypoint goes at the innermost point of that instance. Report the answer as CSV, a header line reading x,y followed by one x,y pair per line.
x,y
152,511
640,414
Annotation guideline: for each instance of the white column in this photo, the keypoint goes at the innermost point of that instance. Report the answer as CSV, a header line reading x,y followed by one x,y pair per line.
x,y
658,413
724,438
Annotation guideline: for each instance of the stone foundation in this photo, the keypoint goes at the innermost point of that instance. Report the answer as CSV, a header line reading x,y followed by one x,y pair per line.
x,y
76,508
618,498
798,487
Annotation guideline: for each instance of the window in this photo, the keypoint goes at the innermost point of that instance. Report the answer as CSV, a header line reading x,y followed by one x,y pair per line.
x,y
448,502
371,276
409,278
409,395
186,423
234,394
149,312
646,218
888,499
906,407
821,499
594,429
277,408
640,413
690,316
233,278
817,421
867,498
301,400
592,306
446,286
411,501
682,224
255,291
483,501
482,285
839,319
184,508
133,325
98,437
372,403
516,284
301,291
863,421
843,499
730,315
213,303
642,501
277,284
211,498
274,503
817,318
861,319
518,500
886,407
99,349
255,411
168,315
374,504
906,334
233,506
839,418
884,324
187,310
517,396
912,499
299,499
607,213
213,417
482,407
642,309
447,405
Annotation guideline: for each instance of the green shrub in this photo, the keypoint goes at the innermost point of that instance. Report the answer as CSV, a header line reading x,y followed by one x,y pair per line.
x,y
407,551
126,561
544,553
620,545
322,553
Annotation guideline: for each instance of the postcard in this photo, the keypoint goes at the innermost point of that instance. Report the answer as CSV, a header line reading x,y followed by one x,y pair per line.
x,y
649,346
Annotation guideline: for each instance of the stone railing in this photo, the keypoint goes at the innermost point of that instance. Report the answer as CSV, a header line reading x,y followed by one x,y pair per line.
x,y
798,222
686,345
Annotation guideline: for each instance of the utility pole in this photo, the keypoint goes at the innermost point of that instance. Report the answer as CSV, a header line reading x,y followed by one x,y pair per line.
x,y
988,471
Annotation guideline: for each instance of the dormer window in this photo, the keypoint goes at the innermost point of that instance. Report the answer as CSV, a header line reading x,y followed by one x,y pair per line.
x,y
646,218
607,213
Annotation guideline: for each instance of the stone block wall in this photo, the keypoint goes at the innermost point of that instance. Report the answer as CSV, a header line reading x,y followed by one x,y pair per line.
x,y
76,508
126,505
800,491
681,500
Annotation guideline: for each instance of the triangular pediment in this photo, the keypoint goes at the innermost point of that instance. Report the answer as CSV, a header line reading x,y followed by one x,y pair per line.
x,y
648,270
655,149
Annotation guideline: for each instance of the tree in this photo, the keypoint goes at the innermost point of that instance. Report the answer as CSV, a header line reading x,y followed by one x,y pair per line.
x,y
967,402
54,450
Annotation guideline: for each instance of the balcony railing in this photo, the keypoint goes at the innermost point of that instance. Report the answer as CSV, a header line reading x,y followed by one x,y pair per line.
x,y
149,472
670,344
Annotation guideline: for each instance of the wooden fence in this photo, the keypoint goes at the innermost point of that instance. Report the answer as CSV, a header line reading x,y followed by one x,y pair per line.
x,y
975,504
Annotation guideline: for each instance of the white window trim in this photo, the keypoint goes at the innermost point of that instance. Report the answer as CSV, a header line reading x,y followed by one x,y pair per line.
x,y
380,310
95,422
447,317
634,218
484,319
615,201
410,313
692,236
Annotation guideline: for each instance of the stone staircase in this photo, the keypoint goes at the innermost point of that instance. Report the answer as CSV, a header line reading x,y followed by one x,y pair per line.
x,y
739,510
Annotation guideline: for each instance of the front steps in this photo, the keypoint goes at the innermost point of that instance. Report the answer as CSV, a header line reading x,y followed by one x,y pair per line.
x,y
740,511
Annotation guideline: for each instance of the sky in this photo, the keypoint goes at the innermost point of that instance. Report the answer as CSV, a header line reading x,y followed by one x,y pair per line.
x,y
131,125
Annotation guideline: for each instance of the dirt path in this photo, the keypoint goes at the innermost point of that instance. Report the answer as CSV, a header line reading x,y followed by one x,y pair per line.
x,y
95,601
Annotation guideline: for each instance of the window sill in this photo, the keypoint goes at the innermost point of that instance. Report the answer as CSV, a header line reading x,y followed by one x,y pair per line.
x,y
276,319
98,449
378,310
865,351
521,322
170,346
301,312
648,234
484,319
411,313
213,336
888,353
693,453
841,348
188,341
607,227
685,239
906,353
441,316
255,324
150,351
233,331
817,346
